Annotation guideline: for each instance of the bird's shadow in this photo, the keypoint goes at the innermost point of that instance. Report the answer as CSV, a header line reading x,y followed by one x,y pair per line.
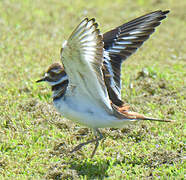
x,y
92,169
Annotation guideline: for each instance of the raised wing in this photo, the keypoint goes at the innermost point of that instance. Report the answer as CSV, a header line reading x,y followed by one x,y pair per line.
x,y
82,57
122,42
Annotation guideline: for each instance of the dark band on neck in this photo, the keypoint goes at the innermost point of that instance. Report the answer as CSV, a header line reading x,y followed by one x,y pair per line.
x,y
61,88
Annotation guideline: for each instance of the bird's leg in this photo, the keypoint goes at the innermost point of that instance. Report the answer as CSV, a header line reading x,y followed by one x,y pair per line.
x,y
99,136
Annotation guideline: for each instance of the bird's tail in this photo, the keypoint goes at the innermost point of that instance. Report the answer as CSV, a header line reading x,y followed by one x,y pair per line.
x,y
124,113
154,119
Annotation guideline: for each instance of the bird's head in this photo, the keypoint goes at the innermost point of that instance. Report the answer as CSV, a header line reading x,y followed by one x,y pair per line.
x,y
54,75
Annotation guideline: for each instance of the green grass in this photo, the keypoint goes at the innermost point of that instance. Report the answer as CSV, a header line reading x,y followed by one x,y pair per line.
x,y
35,140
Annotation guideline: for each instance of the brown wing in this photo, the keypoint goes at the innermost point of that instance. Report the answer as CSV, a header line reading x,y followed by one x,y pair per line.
x,y
122,42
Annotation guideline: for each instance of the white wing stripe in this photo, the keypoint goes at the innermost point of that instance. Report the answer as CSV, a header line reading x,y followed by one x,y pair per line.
x,y
128,37
118,47
135,32
123,42
114,50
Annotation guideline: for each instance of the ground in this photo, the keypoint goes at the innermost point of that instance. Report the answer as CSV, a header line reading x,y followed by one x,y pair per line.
x,y
35,140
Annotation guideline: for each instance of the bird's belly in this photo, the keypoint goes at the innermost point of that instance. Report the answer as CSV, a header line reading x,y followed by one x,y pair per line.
x,y
86,114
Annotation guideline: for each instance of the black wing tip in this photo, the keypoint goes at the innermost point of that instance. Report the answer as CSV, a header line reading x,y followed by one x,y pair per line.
x,y
85,19
165,12
93,19
89,20
163,15
160,11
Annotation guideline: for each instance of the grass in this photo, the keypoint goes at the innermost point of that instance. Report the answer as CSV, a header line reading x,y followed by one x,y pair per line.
x,y
35,139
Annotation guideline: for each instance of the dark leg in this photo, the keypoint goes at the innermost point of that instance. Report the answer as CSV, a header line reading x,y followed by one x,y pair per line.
x,y
99,136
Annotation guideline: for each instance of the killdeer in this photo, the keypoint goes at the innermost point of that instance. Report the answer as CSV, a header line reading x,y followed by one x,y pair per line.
x,y
87,87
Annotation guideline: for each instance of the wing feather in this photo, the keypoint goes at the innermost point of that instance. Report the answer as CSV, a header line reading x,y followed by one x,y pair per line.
x,y
122,42
82,57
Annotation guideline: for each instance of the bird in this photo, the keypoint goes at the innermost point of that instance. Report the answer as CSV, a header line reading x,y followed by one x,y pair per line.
x,y
86,85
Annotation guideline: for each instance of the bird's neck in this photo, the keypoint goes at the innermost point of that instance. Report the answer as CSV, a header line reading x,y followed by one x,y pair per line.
x,y
59,90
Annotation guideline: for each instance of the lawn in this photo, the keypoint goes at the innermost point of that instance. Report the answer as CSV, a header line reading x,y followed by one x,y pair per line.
x,y
35,140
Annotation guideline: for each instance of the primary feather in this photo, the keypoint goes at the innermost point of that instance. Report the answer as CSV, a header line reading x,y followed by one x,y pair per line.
x,y
122,42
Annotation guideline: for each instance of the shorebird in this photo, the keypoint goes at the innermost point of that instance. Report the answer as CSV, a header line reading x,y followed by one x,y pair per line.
x,y
87,86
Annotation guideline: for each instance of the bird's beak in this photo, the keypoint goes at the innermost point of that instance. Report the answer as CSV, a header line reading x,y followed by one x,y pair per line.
x,y
40,80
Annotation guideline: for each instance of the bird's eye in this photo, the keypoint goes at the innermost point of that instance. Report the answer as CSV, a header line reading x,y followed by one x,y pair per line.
x,y
52,74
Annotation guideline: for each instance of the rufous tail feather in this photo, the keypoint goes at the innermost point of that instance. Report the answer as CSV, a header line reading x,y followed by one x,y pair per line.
x,y
123,112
